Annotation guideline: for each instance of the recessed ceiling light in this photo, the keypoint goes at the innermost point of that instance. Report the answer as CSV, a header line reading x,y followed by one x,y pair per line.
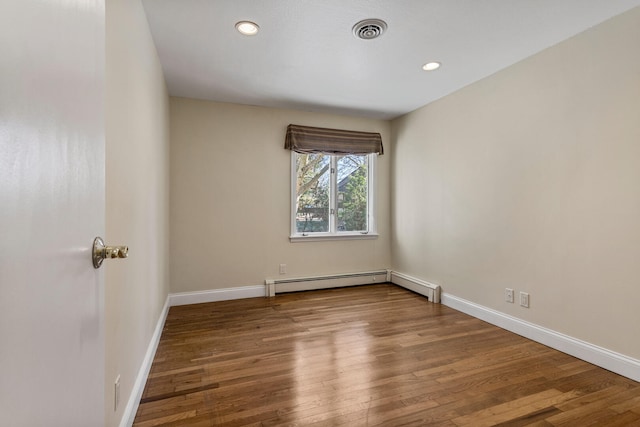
x,y
431,66
247,28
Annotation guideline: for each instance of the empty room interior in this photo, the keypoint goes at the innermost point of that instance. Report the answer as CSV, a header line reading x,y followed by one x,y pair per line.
x,y
474,260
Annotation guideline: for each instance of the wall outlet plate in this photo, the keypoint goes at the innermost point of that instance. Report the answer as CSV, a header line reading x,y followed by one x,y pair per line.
x,y
508,295
524,299
116,393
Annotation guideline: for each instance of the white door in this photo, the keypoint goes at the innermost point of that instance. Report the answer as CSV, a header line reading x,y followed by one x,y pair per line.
x,y
52,57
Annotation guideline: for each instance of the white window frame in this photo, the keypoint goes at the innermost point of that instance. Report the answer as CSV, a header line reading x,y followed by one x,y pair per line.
x,y
333,233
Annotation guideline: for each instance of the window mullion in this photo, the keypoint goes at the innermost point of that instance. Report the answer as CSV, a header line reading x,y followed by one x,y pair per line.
x,y
371,192
333,196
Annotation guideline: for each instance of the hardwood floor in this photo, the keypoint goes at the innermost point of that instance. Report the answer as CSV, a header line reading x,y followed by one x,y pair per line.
x,y
367,356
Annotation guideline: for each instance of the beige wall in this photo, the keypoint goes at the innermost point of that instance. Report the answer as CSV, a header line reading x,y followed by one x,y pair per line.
x,y
530,179
230,198
137,181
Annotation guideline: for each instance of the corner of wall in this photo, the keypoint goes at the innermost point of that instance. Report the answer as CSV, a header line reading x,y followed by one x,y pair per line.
x,y
137,200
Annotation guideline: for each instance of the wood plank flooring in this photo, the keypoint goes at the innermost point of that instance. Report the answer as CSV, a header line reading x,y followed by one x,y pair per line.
x,y
367,356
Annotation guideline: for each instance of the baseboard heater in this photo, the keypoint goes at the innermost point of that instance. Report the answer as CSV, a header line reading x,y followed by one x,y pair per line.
x,y
274,286
429,290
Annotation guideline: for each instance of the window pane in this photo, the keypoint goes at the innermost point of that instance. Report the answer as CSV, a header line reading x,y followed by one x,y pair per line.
x,y
352,188
312,193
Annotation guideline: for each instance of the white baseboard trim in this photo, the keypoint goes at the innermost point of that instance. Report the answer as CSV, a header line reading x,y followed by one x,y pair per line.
x,y
131,409
429,290
213,295
607,359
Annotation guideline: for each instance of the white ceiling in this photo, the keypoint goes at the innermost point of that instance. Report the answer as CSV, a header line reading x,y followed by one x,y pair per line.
x,y
306,57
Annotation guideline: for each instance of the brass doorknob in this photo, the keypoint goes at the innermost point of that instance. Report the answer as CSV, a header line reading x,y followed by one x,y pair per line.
x,y
102,252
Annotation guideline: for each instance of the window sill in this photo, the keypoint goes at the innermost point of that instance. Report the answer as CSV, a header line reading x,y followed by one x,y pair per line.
x,y
298,238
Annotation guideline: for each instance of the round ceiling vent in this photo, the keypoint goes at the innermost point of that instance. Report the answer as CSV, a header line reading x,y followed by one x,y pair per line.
x,y
369,29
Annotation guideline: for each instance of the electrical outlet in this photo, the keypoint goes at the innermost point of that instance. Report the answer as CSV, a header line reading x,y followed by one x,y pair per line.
x,y
116,393
508,295
283,268
524,299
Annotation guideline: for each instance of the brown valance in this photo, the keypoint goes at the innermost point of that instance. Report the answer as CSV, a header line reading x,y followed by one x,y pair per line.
x,y
307,139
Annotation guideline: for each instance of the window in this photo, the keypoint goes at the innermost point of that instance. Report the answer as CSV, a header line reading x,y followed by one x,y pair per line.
x,y
332,182
332,196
